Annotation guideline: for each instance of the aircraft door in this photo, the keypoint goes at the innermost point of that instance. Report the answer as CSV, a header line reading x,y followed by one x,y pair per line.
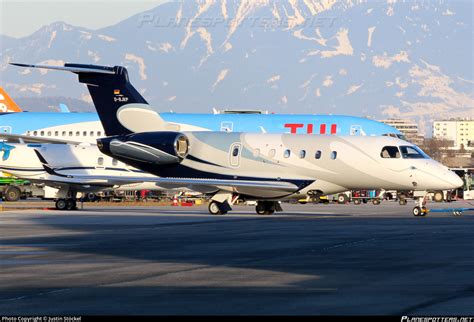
x,y
356,130
5,129
234,154
227,126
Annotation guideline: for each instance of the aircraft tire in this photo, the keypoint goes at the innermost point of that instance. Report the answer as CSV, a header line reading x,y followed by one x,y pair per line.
x,y
417,211
402,202
61,204
214,209
260,208
376,201
356,201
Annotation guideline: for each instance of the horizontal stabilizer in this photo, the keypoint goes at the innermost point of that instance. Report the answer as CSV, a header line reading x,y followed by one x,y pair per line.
x,y
74,68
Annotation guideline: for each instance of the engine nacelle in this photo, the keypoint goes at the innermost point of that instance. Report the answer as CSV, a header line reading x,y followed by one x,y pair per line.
x,y
148,147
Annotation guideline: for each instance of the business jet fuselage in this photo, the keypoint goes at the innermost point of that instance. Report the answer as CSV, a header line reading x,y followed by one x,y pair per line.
x,y
306,164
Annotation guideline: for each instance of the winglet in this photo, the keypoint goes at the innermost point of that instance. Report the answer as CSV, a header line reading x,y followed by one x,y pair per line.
x,y
6,102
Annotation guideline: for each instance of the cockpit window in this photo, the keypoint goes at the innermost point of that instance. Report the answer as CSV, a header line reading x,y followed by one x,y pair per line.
x,y
390,152
412,152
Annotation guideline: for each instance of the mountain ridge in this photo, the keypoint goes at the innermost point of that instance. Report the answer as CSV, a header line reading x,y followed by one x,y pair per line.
x,y
385,59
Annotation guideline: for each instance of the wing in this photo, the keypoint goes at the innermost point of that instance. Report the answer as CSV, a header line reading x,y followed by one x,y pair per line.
x,y
192,183
33,139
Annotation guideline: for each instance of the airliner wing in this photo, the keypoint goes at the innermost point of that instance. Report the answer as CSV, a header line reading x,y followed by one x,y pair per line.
x,y
33,139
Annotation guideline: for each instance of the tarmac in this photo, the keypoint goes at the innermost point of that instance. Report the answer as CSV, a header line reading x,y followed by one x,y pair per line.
x,y
310,259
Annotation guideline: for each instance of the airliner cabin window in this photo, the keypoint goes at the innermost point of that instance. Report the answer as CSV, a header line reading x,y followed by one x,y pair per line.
x,y
64,133
287,153
56,133
114,162
235,151
49,133
70,133
390,152
317,155
334,155
35,133
100,161
99,133
302,154
412,152
92,133
84,133
42,133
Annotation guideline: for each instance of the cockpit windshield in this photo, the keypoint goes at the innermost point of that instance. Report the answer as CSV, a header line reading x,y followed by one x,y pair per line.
x,y
412,152
390,152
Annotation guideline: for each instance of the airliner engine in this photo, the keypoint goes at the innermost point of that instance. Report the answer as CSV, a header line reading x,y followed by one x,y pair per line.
x,y
151,147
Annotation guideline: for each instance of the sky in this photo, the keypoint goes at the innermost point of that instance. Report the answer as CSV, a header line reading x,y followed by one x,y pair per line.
x,y
20,18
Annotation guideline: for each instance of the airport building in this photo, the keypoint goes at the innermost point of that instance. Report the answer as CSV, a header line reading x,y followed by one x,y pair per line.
x,y
460,132
409,128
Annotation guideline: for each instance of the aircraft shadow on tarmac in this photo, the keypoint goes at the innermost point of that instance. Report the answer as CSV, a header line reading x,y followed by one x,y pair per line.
x,y
346,266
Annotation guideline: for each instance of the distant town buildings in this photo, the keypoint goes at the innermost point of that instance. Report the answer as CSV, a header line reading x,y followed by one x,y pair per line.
x,y
460,132
409,128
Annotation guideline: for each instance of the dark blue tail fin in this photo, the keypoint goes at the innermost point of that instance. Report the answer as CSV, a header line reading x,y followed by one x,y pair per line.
x,y
110,89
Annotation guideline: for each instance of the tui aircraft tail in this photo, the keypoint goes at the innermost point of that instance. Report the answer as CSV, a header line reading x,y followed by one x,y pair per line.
x,y
121,108
6,102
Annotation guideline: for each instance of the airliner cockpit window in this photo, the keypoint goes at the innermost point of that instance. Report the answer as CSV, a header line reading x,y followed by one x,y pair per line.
x,y
390,152
412,152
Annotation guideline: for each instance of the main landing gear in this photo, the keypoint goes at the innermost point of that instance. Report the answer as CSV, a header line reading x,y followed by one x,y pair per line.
x,y
267,207
66,204
221,203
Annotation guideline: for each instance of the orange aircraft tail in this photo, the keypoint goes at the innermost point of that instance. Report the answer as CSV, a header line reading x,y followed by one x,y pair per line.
x,y
6,103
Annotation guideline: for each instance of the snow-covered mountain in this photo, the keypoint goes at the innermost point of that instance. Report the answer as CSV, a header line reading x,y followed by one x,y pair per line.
x,y
384,59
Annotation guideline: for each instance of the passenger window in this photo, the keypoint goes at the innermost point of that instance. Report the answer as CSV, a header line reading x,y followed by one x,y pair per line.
x,y
99,133
390,152
302,154
334,155
114,162
64,133
78,133
100,161
91,133
317,155
287,153
235,151
56,133
84,133
412,152
42,133
70,133
35,133
49,133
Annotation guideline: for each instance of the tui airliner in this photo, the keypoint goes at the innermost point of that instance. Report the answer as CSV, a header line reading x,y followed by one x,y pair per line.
x,y
86,127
